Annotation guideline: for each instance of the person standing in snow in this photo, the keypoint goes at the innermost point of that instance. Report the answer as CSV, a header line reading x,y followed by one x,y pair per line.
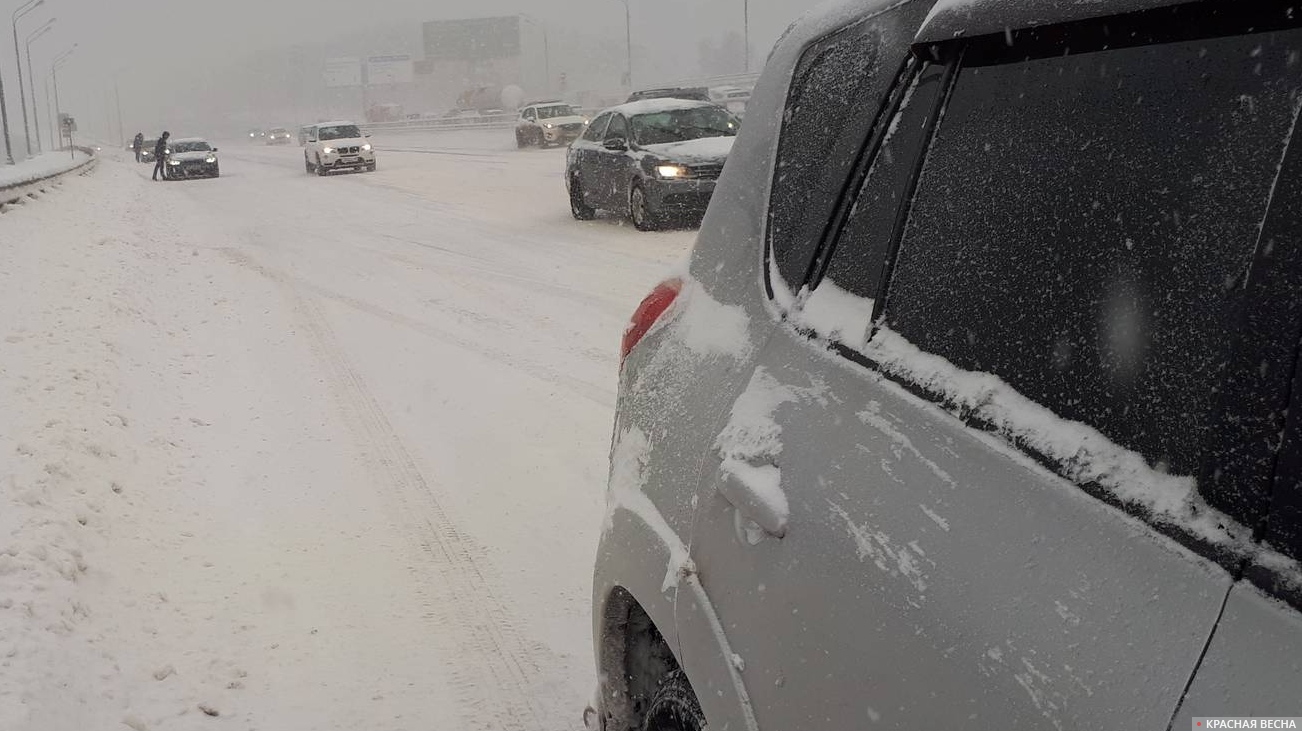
x,y
138,144
160,155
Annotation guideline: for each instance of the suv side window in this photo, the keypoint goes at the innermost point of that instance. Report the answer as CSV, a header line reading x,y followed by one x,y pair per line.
x,y
597,129
618,128
835,97
1084,223
530,115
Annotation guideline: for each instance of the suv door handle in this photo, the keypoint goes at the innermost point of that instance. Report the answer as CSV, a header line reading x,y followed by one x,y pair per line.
x,y
755,490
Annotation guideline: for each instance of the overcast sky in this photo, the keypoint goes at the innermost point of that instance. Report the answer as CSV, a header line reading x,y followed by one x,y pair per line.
x,y
152,46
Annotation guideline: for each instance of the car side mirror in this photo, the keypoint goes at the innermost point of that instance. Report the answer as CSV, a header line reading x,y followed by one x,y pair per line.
x,y
616,144
214,149
366,134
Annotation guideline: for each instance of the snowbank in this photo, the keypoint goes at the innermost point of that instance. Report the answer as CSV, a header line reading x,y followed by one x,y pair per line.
x,y
41,166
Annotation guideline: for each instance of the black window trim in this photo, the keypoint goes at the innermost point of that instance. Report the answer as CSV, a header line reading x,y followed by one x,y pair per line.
x,y
766,230
867,153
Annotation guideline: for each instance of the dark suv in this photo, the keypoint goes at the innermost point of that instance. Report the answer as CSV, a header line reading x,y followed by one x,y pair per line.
x,y
978,404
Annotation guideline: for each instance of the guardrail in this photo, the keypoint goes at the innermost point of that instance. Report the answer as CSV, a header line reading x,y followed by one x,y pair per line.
x,y
508,120
486,121
743,80
13,192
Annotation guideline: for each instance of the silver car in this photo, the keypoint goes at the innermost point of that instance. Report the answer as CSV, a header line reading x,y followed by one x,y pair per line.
x,y
975,406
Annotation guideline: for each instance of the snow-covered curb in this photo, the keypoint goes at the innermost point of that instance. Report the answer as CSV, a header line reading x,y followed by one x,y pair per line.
x,y
33,176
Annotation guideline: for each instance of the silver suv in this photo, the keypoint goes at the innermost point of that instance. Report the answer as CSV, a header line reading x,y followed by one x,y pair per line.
x,y
978,404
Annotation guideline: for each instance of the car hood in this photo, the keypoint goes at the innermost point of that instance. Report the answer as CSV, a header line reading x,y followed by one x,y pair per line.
x,y
192,156
350,142
704,150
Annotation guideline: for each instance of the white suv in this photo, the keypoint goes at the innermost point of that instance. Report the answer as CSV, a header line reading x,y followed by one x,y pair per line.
x,y
337,146
549,123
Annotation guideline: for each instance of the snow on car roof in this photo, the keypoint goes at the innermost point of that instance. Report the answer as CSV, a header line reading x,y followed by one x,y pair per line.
x,y
333,124
188,139
949,19
656,106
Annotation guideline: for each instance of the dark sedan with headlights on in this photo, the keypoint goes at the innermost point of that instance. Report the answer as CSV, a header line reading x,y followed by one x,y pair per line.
x,y
655,161
191,157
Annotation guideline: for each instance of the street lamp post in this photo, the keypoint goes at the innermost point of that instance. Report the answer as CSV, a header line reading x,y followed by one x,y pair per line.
x,y
31,80
745,15
49,113
547,53
18,60
54,73
628,43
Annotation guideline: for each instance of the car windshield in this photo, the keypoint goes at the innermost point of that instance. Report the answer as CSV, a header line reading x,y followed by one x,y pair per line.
x,y
681,125
279,131
559,110
340,132
190,146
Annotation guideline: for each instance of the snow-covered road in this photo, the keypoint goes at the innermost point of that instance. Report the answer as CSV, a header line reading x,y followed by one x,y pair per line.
x,y
308,453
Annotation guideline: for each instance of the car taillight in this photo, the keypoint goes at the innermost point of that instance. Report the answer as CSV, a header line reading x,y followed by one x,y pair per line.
x,y
647,314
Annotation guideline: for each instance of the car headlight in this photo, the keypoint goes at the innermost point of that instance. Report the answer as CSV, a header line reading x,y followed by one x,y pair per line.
x,y
671,171
549,125
367,147
327,150
173,162
211,159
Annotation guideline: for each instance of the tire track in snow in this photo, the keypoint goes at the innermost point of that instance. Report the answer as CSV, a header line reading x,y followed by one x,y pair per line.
x,y
497,674
604,397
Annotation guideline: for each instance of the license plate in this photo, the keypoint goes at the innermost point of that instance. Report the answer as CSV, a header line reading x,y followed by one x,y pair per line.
x,y
348,160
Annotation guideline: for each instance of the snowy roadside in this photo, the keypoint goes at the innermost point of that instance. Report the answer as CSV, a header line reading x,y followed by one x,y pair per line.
x,y
40,166
189,531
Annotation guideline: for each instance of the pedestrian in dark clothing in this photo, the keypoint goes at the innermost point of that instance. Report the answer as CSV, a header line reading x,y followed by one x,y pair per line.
x,y
160,156
138,144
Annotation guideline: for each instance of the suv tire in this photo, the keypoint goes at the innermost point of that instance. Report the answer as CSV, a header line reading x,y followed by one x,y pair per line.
x,y
320,169
674,706
308,165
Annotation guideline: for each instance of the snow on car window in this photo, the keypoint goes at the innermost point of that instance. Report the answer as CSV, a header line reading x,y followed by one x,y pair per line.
x,y
342,132
190,146
683,124
559,110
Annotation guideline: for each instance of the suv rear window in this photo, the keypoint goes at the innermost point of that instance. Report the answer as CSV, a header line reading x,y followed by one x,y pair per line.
x,y
1083,225
829,111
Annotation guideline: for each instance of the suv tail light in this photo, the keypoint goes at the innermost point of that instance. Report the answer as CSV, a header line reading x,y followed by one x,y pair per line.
x,y
647,314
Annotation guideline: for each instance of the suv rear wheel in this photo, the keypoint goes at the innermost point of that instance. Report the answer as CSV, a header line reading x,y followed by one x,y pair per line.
x,y
674,706
320,169
308,165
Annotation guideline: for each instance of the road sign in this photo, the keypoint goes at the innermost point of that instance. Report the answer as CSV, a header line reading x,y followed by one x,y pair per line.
x,y
342,72
388,70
